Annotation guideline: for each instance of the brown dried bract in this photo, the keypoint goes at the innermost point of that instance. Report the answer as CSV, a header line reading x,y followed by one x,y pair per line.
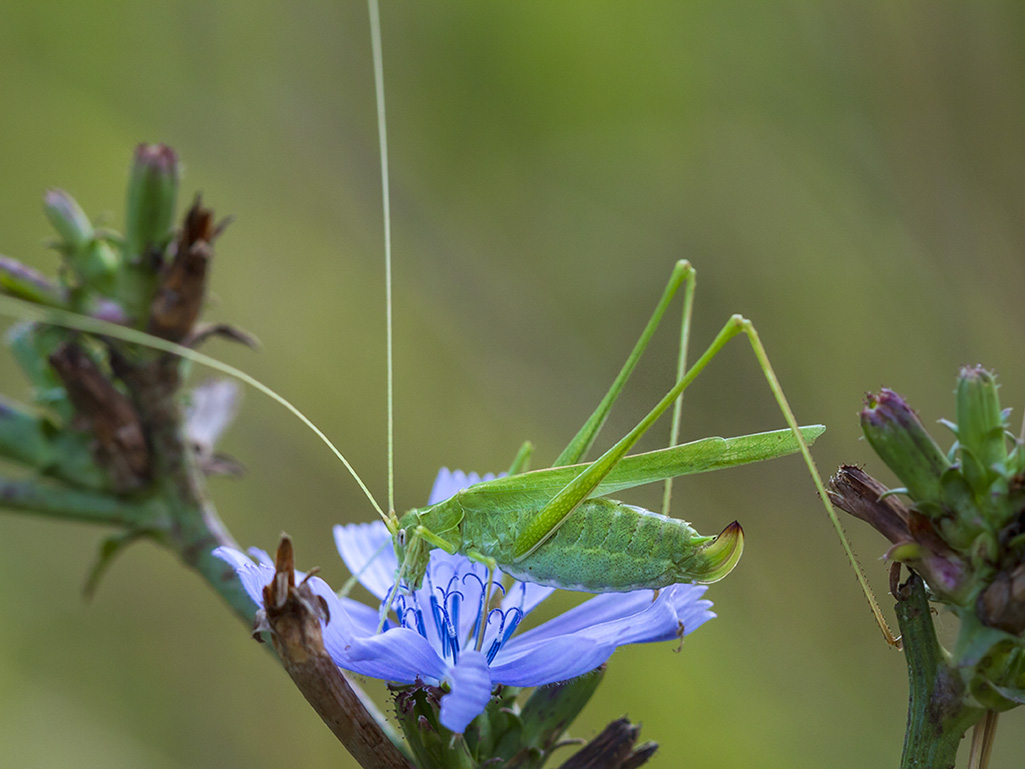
x,y
292,615
858,493
1002,604
120,441
614,748
179,298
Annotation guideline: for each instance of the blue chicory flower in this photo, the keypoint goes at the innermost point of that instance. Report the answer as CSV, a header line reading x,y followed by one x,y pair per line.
x,y
434,640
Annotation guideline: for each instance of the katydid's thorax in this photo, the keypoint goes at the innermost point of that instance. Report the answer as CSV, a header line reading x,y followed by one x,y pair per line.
x,y
442,521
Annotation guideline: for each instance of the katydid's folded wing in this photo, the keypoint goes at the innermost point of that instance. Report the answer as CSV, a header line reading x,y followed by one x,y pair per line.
x,y
538,486
742,450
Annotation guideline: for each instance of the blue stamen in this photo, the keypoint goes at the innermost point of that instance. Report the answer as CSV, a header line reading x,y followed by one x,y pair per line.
x,y
456,599
509,621
420,626
439,625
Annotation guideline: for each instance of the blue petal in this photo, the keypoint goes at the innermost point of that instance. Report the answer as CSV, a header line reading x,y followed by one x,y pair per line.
x,y
558,659
399,655
360,618
683,602
525,596
586,636
368,554
471,692
253,576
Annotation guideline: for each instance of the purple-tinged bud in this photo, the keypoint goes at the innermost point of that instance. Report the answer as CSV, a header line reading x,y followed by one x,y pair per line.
x,y
898,437
110,311
23,282
152,197
68,218
980,429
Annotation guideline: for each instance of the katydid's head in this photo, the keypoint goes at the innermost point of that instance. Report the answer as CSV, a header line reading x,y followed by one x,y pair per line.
x,y
718,557
412,552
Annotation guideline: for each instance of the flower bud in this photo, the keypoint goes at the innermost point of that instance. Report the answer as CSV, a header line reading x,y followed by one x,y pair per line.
x,y
68,218
417,709
152,196
898,437
980,429
23,282
91,258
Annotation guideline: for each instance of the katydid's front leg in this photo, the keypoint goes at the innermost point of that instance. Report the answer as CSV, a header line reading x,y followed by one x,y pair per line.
x,y
413,557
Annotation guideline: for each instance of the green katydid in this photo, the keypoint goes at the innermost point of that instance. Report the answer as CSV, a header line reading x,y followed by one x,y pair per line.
x,y
555,527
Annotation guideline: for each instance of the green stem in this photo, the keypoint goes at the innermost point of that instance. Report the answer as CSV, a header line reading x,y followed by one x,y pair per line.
x,y
70,504
937,714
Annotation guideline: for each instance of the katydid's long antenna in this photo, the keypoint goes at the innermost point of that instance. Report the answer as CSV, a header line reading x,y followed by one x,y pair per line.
x,y
375,40
23,310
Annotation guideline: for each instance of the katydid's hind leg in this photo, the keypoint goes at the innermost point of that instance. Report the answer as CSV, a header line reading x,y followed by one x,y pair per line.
x,y
552,515
745,326
737,324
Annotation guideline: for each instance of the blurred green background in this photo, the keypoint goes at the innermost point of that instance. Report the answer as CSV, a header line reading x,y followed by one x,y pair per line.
x,y
849,176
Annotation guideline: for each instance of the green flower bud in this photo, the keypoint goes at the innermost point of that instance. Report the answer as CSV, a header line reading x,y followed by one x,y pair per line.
x,y
898,437
152,197
980,429
68,218
23,282
92,259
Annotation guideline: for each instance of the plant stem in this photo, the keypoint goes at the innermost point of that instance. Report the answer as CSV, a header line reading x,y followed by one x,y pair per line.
x,y
937,714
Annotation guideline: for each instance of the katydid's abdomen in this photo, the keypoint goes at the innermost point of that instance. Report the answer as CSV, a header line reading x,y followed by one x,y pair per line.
x,y
605,545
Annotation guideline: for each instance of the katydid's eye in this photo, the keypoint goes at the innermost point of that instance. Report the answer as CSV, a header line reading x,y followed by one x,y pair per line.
x,y
402,537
